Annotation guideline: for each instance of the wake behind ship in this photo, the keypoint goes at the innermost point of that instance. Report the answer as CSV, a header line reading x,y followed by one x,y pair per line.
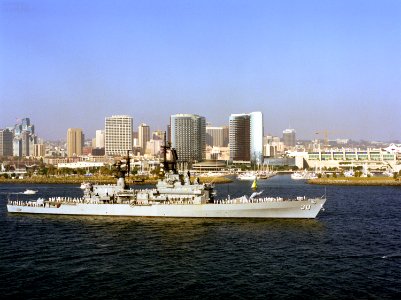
x,y
174,196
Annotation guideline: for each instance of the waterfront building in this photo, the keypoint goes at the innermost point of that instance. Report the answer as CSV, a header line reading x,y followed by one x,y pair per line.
x,y
6,142
209,165
289,138
143,136
214,136
246,137
393,148
240,137
345,158
118,135
188,137
217,153
257,137
75,142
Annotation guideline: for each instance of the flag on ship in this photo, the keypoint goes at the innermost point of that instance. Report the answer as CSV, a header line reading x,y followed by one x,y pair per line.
x,y
254,184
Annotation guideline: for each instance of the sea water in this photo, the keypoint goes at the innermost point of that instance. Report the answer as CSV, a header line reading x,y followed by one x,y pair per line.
x,y
351,250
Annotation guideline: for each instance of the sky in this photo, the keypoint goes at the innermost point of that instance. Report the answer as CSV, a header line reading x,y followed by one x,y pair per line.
x,y
311,65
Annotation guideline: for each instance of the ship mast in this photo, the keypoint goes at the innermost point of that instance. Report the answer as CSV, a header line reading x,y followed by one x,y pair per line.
x,y
169,165
122,173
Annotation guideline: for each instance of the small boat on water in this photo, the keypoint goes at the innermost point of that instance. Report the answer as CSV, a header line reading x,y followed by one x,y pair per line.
x,y
247,176
303,175
29,192
297,176
85,185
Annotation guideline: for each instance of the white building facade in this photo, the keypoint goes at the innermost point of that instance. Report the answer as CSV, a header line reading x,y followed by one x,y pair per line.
x,y
118,135
143,136
99,139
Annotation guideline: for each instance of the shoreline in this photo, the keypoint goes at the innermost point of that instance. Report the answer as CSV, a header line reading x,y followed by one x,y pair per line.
x,y
357,181
100,180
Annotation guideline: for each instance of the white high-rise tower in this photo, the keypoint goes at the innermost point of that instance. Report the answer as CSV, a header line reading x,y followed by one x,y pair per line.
x,y
118,135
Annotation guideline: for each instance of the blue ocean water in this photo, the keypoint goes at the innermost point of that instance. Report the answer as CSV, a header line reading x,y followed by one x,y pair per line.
x,y
351,250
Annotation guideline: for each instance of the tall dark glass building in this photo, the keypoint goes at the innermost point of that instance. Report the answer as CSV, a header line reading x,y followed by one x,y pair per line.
x,y
188,137
6,142
289,138
246,137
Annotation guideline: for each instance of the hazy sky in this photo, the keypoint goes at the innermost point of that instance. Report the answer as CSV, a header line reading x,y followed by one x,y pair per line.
x,y
313,64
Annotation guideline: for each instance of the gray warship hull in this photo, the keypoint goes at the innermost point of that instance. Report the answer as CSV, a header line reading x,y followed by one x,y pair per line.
x,y
236,208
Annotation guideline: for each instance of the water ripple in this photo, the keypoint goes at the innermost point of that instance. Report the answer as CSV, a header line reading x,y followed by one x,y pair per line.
x,y
352,250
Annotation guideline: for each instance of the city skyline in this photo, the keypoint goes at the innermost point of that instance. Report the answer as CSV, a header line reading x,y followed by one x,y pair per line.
x,y
307,65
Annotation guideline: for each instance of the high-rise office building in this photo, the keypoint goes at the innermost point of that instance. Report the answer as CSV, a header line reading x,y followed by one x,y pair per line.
x,y
257,132
99,140
17,146
33,140
118,135
39,150
168,134
24,138
246,137
225,136
289,137
6,142
135,140
75,142
214,136
240,137
154,147
188,137
143,136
